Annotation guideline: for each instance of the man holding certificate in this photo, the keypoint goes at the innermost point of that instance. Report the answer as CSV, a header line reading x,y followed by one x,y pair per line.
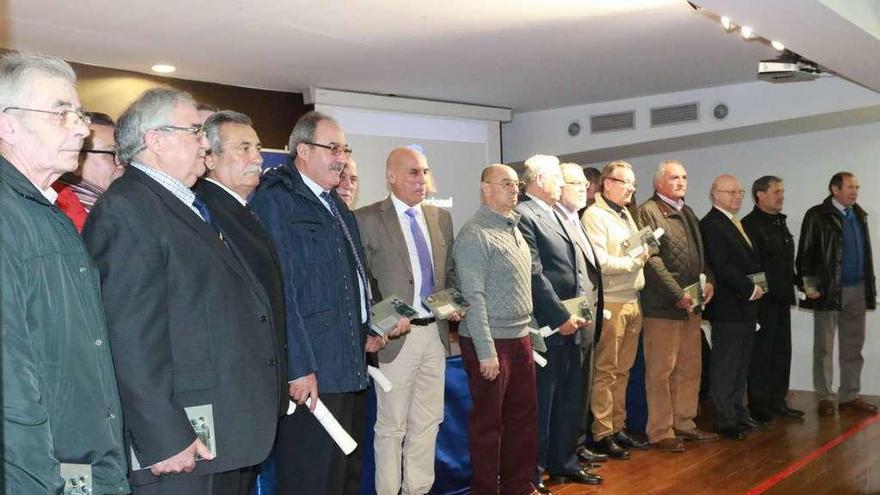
x,y
408,247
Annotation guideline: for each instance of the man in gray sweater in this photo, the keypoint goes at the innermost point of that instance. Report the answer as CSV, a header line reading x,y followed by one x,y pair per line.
x,y
494,265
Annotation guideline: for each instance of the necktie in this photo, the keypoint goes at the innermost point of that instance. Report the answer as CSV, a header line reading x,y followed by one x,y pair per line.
x,y
200,205
334,211
847,212
423,253
739,227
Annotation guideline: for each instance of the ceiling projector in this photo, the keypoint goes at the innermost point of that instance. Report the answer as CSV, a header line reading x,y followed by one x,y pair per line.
x,y
788,69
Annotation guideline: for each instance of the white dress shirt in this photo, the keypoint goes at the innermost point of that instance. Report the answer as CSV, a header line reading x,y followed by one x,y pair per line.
x,y
401,208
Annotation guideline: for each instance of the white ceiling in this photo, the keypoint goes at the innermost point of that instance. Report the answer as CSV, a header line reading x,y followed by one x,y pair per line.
x,y
521,54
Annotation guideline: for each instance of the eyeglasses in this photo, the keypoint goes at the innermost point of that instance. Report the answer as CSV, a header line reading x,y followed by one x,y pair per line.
x,y
508,183
624,182
733,192
98,152
577,183
68,118
195,130
335,148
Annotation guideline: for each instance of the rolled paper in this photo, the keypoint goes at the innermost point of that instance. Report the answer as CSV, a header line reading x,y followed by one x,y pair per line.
x,y
546,332
539,359
706,327
379,378
703,288
328,421
606,315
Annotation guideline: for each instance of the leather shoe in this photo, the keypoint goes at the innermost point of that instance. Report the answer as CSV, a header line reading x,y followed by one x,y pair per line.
x,y
673,444
763,417
859,405
697,435
624,440
579,476
586,455
787,412
826,407
732,433
542,489
611,448
749,423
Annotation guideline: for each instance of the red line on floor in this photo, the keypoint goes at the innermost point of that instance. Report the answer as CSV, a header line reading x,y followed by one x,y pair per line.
x,y
803,461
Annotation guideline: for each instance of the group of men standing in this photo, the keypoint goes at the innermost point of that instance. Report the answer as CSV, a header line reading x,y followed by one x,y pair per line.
x,y
236,303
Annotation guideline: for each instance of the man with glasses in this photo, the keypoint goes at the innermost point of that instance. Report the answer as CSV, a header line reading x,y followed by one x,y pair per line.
x,y
327,298
192,328
61,405
79,190
733,310
609,226
560,272
494,266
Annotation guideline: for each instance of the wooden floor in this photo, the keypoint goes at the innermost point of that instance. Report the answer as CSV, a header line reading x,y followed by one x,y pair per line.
x,y
738,467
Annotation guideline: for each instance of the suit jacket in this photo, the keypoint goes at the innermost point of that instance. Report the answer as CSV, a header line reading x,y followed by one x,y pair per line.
x,y
190,325
243,229
389,264
554,268
731,259
321,292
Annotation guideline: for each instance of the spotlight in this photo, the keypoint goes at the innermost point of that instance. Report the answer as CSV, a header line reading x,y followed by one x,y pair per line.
x,y
747,32
163,68
725,23
777,46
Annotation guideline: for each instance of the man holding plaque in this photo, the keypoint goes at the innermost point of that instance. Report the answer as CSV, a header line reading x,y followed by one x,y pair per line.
x,y
561,273
408,246
731,256
672,303
836,269
609,226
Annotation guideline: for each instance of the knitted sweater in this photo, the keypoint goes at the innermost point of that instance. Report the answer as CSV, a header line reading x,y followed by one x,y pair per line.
x,y
622,276
494,266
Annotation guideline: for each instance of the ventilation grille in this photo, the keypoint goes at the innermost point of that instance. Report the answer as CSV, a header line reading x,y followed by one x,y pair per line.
x,y
612,122
677,114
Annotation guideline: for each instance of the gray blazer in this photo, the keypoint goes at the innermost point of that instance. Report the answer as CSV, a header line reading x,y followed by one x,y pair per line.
x,y
388,262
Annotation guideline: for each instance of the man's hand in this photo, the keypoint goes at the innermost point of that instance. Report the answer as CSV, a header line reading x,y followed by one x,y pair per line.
x,y
708,292
686,302
489,368
304,388
643,258
184,461
814,295
402,328
571,325
757,294
376,342
456,316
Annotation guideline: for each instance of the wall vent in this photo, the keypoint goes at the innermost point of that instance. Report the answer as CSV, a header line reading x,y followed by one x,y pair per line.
x,y
676,114
620,121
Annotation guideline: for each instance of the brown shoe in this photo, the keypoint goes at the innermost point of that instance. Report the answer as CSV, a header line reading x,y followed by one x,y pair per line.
x,y
697,435
826,407
673,444
859,405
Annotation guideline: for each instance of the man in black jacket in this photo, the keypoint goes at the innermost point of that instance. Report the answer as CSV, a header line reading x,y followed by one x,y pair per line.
x,y
771,355
836,271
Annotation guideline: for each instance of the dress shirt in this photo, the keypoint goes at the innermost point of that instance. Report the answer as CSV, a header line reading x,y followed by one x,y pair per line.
x,y
677,204
173,185
50,194
230,191
401,208
731,217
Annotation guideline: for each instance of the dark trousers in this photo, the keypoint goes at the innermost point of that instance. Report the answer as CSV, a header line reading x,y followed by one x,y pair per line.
x,y
729,367
503,420
235,482
309,461
771,358
561,401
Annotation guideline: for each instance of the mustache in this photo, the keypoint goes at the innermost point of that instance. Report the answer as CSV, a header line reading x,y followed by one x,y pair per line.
x,y
252,169
337,166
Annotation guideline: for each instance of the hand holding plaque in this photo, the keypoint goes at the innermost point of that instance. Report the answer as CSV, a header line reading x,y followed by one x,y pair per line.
x,y
642,241
446,303
387,313
760,279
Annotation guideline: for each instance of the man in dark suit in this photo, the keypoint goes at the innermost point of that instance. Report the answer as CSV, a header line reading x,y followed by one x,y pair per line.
x,y
326,294
233,172
190,324
560,271
409,254
733,310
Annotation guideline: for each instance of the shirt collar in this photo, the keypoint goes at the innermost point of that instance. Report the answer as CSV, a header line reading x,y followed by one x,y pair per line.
x,y
50,194
722,210
401,208
312,185
230,191
544,206
677,204
838,205
611,204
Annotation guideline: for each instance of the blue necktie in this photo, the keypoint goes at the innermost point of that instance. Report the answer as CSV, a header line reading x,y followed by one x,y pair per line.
x,y
847,212
423,253
200,205
334,210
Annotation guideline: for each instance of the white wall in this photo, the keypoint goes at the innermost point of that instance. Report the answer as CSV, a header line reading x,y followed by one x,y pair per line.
x,y
806,162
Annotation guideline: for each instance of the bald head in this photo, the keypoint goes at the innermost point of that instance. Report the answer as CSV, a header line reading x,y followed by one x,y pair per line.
x,y
727,193
407,171
499,188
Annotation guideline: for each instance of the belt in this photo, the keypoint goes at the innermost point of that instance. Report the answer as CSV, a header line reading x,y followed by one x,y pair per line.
x,y
422,322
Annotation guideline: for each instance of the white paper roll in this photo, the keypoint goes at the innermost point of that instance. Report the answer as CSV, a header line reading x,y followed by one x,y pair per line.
x,y
328,421
546,332
606,315
539,359
379,378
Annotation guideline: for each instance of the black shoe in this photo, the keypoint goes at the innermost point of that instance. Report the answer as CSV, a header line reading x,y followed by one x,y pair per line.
x,y
542,489
750,423
611,448
586,455
624,440
763,417
732,433
787,412
579,476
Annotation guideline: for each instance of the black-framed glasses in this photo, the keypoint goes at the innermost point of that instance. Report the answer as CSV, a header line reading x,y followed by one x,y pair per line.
x,y
68,118
508,183
195,129
98,152
335,148
624,182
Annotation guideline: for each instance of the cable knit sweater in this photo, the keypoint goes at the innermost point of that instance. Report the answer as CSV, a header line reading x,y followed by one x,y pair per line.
x,y
622,277
494,266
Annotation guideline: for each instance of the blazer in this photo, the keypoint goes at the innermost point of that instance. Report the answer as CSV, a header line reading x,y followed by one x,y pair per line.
x,y
388,260
189,325
554,269
731,259
321,292
243,229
